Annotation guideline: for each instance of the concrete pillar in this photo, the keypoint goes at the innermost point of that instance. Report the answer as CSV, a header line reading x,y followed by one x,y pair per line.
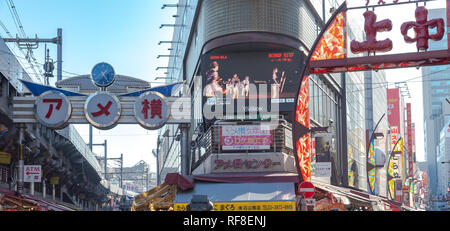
x,y
32,188
44,189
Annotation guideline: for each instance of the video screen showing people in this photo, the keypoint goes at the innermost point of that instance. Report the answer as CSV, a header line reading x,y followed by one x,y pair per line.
x,y
229,75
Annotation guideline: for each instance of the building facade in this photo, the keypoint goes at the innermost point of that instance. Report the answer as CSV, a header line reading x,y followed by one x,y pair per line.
x,y
436,87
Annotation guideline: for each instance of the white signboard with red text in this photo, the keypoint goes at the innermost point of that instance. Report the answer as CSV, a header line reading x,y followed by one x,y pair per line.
x,y
246,137
32,173
53,109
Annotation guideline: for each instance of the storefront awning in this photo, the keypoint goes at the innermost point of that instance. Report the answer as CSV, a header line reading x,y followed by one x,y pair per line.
x,y
240,192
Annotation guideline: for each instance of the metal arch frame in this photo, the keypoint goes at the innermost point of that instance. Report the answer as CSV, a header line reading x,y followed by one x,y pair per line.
x,y
299,130
428,58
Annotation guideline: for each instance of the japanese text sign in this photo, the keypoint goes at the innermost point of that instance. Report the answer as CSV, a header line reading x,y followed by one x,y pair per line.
x,y
250,137
102,110
151,110
53,109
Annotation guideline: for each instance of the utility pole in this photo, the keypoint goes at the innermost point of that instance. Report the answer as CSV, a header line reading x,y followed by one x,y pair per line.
x,y
105,152
24,43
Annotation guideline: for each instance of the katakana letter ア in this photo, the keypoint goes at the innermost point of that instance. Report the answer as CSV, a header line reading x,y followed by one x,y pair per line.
x,y
371,28
421,26
156,108
50,109
103,110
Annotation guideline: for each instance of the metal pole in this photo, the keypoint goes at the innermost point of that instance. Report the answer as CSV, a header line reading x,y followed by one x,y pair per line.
x,y
59,58
157,161
20,180
32,188
44,189
90,137
184,150
53,192
121,171
146,182
106,160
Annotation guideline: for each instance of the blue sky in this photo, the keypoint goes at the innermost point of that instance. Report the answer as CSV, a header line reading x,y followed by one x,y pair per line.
x,y
120,32
126,35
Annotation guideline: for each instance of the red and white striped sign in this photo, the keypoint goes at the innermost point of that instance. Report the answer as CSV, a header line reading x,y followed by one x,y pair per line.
x,y
307,189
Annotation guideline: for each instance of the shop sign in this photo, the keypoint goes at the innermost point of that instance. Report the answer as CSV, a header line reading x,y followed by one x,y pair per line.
x,y
151,110
245,164
53,109
246,206
32,173
323,169
102,110
54,180
251,137
5,158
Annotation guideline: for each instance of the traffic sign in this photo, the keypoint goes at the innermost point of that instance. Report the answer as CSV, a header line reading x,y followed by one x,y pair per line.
x,y
32,173
307,189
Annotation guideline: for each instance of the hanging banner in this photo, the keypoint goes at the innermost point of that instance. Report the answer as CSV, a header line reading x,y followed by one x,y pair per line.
x,y
323,149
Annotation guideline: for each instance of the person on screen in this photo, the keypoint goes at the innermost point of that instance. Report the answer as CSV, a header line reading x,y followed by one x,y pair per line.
x,y
275,84
245,86
213,87
235,82
229,88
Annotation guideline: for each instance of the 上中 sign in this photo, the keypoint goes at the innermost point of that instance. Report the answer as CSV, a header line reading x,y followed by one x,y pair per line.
x,y
53,109
32,173
102,110
151,110
323,169
307,189
251,137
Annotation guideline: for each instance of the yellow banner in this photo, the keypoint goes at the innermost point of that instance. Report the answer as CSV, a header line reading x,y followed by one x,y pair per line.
x,y
5,158
247,206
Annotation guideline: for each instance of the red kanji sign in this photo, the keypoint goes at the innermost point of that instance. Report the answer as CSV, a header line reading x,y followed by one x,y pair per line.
x,y
156,108
372,27
421,26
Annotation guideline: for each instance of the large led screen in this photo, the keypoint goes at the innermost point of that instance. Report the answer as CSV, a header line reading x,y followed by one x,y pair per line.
x,y
273,77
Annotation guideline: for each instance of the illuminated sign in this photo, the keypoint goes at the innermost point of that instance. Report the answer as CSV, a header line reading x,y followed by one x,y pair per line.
x,y
230,76
257,137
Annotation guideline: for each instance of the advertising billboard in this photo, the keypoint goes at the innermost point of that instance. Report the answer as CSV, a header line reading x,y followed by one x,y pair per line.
x,y
249,137
272,77
393,101
410,140
323,144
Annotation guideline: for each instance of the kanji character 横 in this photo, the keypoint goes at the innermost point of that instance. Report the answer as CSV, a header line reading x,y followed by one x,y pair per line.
x,y
103,110
421,26
145,108
371,28
156,108
50,109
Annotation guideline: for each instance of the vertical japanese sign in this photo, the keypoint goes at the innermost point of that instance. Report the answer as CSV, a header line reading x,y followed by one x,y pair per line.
x,y
393,112
53,109
410,142
251,137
